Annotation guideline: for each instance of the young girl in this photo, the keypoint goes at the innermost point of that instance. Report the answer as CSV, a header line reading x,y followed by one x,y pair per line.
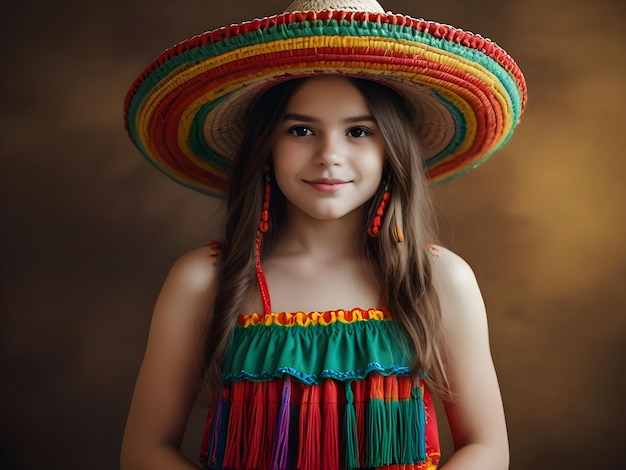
x,y
323,321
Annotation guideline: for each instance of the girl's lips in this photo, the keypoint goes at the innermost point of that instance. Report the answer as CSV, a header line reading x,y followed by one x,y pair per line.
x,y
329,186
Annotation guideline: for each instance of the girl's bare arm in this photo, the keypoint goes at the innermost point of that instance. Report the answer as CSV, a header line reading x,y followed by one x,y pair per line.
x,y
169,377
475,413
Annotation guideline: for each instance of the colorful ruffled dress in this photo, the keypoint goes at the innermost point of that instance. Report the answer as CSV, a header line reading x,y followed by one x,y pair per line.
x,y
320,390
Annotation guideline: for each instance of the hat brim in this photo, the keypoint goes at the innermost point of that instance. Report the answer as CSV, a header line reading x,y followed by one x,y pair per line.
x,y
186,112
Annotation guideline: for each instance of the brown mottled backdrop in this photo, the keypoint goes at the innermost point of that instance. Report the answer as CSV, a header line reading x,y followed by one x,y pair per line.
x,y
89,229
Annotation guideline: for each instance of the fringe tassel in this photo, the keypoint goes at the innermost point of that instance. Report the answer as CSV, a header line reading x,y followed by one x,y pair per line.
x,y
212,429
330,421
360,405
236,426
391,453
310,429
418,394
279,462
386,425
406,419
208,436
255,437
221,440
351,432
271,421
376,424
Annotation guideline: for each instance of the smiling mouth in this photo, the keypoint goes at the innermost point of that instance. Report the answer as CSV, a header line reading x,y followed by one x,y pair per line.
x,y
327,186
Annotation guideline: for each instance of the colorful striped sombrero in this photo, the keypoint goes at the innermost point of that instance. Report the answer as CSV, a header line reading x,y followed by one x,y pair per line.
x,y
187,111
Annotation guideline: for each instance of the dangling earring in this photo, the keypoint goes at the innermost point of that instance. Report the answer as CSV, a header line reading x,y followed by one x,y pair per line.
x,y
374,229
397,217
264,224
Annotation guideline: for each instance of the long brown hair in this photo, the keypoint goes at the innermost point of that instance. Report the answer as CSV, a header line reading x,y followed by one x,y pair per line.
x,y
403,268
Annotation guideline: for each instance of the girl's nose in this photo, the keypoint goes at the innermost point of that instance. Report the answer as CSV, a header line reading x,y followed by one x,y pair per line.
x,y
329,153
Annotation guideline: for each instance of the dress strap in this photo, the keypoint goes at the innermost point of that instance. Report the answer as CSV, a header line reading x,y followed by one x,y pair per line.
x,y
264,291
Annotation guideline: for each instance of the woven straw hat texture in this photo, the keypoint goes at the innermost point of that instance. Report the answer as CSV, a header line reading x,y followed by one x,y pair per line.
x,y
187,111
345,5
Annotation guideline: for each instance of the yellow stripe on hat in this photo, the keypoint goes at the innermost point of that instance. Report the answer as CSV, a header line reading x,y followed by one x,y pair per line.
x,y
185,73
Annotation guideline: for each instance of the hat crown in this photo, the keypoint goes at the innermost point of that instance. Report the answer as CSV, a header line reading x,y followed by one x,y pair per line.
x,y
371,6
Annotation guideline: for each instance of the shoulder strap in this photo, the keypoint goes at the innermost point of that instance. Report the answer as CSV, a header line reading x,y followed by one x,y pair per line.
x,y
264,291
215,249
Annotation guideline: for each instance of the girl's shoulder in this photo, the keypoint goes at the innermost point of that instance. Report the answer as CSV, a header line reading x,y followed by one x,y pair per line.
x,y
456,285
447,265
195,269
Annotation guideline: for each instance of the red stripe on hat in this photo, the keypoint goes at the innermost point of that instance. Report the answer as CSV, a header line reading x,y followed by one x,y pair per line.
x,y
479,95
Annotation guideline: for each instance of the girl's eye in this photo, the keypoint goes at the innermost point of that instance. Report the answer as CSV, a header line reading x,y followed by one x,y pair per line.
x,y
300,131
359,132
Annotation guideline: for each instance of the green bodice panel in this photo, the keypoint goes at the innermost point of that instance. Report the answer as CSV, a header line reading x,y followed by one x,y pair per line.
x,y
349,347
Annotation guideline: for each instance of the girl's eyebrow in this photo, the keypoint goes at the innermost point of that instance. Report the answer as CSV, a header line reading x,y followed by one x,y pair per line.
x,y
305,118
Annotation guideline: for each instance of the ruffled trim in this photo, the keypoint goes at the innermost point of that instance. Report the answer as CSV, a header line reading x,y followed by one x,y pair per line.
x,y
311,379
341,351
305,319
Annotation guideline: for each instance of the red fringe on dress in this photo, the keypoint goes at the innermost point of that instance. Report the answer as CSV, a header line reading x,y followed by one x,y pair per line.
x,y
380,422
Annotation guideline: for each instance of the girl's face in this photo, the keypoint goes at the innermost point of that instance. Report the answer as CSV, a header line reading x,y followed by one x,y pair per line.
x,y
328,154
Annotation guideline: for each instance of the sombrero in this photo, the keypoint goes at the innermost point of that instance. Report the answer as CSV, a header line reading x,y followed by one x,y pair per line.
x,y
187,111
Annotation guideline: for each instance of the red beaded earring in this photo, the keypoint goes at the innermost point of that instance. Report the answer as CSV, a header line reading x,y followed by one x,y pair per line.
x,y
374,229
264,225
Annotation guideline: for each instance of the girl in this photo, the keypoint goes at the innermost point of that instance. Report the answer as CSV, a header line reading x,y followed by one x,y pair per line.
x,y
323,322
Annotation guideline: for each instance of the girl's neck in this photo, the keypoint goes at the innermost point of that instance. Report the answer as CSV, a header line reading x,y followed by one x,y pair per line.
x,y
331,239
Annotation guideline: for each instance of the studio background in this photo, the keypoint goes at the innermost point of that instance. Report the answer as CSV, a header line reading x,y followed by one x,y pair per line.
x,y
90,229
